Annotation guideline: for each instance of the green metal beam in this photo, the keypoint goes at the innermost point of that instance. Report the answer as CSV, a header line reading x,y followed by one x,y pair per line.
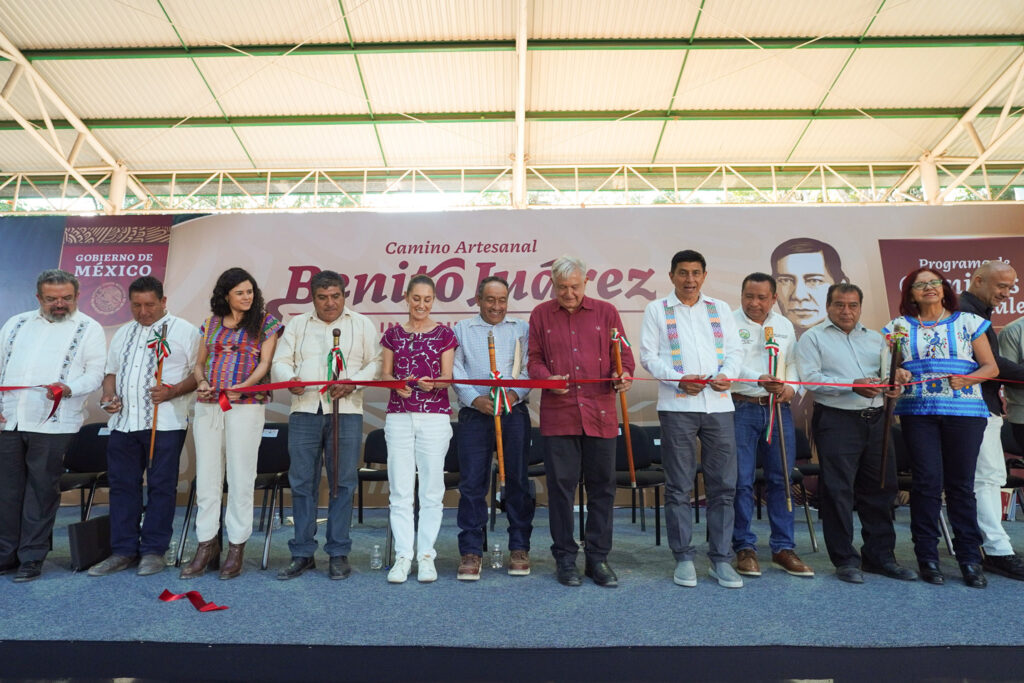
x,y
657,115
809,43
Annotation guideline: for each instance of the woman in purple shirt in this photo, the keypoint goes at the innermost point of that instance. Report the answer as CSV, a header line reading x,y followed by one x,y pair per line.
x,y
417,428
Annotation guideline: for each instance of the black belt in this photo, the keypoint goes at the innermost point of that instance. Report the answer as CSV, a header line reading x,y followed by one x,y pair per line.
x,y
742,398
867,414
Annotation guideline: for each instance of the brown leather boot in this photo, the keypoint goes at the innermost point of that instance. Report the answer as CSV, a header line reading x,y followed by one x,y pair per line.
x,y
207,556
233,563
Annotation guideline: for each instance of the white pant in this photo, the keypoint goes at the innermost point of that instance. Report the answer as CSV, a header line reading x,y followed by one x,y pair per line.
x,y
416,442
236,434
989,477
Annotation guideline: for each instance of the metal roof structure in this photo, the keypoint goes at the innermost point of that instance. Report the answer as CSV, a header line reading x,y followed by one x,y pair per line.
x,y
186,105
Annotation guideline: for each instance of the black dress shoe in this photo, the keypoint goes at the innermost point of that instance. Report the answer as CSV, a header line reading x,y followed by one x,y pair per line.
x,y
28,571
973,576
296,567
339,568
568,575
849,574
931,573
890,569
1010,566
602,574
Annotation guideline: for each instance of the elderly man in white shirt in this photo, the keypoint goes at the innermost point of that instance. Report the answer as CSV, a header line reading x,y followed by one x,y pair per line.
x,y
304,354
690,342
132,396
757,324
61,349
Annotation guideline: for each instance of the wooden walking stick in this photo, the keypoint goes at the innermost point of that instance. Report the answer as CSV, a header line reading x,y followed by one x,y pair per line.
x,y
501,404
617,342
334,371
162,349
775,408
894,342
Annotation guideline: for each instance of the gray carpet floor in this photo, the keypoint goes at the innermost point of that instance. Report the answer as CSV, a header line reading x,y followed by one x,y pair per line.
x,y
647,609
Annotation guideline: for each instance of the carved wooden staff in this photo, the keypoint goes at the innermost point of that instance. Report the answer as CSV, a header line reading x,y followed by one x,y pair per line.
x,y
617,341
162,350
895,358
500,399
335,372
775,408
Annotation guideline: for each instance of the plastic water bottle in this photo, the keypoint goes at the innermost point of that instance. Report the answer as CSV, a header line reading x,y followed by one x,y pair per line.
x,y
376,559
497,557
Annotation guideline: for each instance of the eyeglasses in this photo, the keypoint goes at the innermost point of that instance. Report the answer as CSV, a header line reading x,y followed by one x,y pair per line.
x,y
931,284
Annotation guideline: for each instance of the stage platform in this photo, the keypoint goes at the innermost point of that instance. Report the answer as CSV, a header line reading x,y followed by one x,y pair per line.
x,y
69,625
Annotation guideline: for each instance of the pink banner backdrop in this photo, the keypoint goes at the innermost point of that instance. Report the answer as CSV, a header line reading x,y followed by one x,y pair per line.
x,y
107,253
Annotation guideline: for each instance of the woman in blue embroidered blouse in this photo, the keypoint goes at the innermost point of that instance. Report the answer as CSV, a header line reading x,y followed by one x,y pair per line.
x,y
943,417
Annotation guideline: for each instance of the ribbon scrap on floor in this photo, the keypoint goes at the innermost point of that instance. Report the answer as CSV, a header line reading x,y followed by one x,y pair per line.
x,y
195,597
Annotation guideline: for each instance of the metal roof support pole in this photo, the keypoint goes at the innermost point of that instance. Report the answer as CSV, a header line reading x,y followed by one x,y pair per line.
x,y
999,85
519,158
930,187
53,98
118,185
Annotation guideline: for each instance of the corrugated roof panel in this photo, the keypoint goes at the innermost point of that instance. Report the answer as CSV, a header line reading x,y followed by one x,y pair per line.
x,y
113,88
551,142
729,141
383,21
470,144
257,22
20,152
177,148
561,19
769,79
926,77
949,17
55,24
1011,148
869,140
785,18
440,82
22,98
601,80
311,146
296,85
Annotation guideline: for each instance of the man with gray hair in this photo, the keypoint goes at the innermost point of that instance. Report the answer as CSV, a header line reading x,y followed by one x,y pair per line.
x,y
991,284
570,339
306,351
59,352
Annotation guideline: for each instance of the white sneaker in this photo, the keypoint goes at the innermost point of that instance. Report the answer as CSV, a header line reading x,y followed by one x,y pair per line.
x,y
725,575
685,574
426,572
400,571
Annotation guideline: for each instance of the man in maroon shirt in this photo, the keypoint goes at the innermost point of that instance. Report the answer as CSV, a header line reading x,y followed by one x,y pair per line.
x,y
570,338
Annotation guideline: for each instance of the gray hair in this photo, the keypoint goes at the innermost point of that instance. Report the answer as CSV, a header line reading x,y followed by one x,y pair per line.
x,y
564,266
55,276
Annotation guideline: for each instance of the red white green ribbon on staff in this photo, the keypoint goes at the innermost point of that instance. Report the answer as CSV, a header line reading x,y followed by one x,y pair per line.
x,y
335,365
160,346
620,339
773,349
499,395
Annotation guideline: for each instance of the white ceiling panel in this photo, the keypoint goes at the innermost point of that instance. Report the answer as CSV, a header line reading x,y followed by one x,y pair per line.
x,y
762,79
311,146
564,19
112,88
1011,148
294,85
601,80
257,22
19,151
471,144
867,139
385,21
785,18
177,148
949,17
553,142
54,24
440,82
926,77
732,141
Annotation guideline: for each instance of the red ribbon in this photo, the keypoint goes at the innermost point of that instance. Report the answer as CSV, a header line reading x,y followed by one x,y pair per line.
x,y
56,389
195,597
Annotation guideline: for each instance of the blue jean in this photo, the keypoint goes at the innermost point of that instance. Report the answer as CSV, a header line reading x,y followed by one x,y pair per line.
x,y
310,437
943,456
751,422
476,441
131,533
